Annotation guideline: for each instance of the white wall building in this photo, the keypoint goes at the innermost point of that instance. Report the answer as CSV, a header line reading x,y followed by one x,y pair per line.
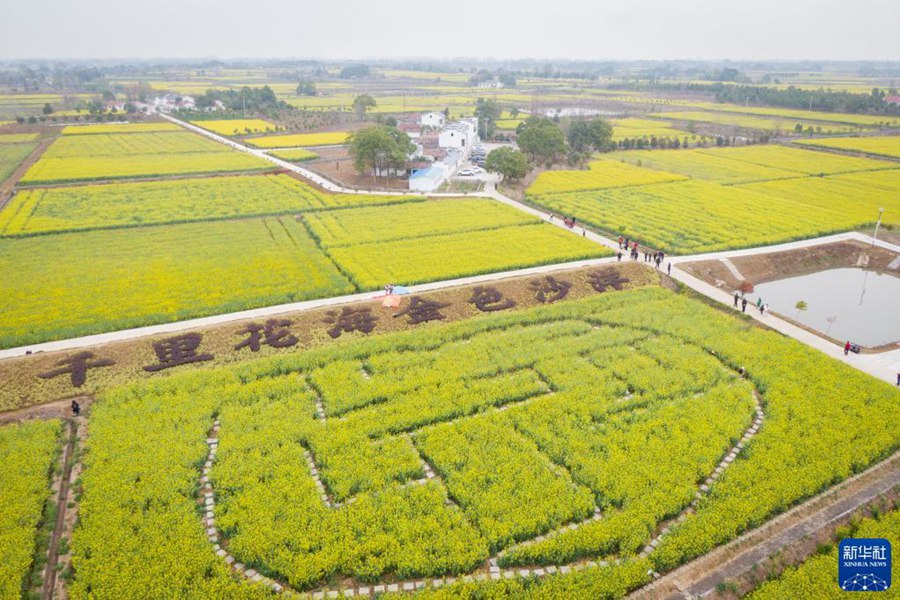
x,y
435,120
462,134
428,180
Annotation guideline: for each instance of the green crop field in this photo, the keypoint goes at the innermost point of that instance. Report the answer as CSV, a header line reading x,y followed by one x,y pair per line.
x,y
117,155
295,154
62,285
132,204
16,138
881,146
411,455
12,155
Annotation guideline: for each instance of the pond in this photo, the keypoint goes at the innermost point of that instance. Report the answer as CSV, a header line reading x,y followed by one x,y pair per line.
x,y
846,304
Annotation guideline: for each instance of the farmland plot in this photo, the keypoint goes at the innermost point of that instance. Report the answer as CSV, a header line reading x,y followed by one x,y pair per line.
x,y
620,403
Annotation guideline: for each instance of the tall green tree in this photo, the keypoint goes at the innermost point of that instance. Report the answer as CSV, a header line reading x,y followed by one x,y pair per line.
x,y
541,139
512,164
595,134
487,111
375,149
306,88
361,104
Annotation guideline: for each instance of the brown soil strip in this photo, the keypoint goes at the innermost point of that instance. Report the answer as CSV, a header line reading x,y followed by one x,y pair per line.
x,y
731,561
61,503
60,590
58,409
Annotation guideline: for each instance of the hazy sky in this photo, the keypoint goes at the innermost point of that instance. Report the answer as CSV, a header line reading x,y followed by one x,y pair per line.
x,y
590,29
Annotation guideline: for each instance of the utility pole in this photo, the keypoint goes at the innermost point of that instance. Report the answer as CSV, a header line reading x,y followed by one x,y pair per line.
x,y
877,225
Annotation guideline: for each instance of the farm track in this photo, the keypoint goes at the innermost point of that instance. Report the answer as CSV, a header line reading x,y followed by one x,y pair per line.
x,y
62,499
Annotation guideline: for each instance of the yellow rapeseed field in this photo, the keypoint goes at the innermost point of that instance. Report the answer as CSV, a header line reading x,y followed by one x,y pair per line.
x,y
236,126
328,138
120,128
601,174
881,146
118,155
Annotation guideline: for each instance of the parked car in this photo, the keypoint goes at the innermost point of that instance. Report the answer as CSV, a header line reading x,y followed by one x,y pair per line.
x,y
477,170
466,173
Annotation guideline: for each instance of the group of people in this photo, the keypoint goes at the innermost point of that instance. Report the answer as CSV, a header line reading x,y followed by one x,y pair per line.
x,y
631,246
762,307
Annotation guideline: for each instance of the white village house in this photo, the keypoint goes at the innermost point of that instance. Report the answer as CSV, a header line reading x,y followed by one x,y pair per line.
x,y
433,120
462,134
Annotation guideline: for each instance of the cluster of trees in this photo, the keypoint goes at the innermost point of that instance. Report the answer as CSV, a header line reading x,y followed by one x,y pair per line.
x,y
254,99
823,100
306,88
355,72
542,141
361,104
502,75
379,149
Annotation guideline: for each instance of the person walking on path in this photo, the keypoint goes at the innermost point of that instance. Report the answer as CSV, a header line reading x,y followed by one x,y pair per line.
x,y
736,296
847,349
898,379
743,305
620,241
759,302
765,310
669,268
619,255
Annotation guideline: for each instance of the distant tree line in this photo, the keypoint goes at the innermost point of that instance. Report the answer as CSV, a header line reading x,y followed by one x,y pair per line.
x,y
257,100
823,100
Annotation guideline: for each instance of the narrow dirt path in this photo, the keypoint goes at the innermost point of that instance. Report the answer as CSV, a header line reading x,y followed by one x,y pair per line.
x,y
700,577
50,571
59,590
58,409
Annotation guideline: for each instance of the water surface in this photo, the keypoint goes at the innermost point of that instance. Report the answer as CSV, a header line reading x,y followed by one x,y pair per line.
x,y
863,306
